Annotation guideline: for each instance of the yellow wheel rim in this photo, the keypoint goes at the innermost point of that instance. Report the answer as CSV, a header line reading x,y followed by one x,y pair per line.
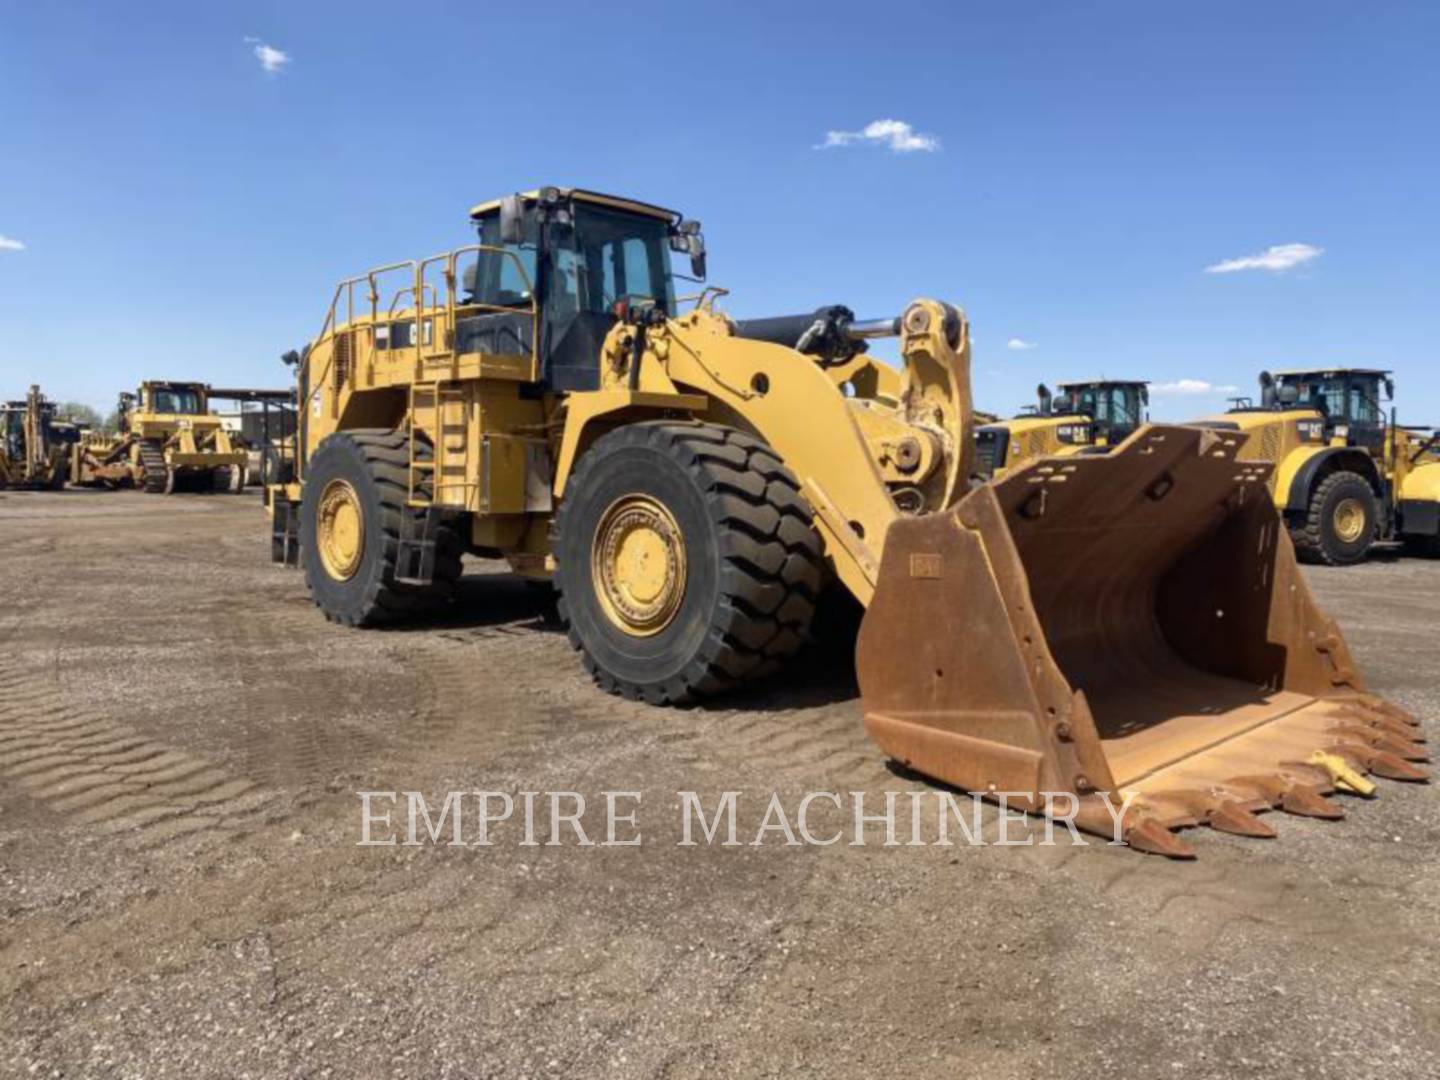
x,y
637,562
340,530
1349,520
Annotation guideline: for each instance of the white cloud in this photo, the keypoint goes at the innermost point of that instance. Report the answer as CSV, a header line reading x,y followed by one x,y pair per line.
x,y
1275,259
271,58
10,244
1192,388
896,134
1019,344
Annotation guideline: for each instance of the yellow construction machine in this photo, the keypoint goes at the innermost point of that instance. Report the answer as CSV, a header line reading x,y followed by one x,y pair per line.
x,y
1085,418
33,443
168,440
1129,625
1346,474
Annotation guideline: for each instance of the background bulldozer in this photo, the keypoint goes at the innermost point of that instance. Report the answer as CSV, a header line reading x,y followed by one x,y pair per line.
x,y
33,444
168,440
690,483
1084,418
1346,474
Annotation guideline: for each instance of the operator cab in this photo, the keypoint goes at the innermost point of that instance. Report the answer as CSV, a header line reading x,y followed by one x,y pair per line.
x,y
1343,396
172,399
583,260
1116,407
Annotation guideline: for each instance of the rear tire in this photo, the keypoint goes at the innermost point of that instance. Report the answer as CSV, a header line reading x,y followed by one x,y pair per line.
x,y
1340,523
362,474
718,511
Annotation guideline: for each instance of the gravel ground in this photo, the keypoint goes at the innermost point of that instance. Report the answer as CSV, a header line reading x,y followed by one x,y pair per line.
x,y
182,740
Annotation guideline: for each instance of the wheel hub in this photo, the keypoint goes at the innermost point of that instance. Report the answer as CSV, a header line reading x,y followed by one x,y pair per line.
x,y
1349,520
340,529
638,565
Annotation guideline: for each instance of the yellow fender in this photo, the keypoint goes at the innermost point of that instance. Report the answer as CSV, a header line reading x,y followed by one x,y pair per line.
x,y
1422,484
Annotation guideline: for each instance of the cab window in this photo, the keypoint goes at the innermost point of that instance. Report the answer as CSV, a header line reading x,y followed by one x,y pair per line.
x,y
175,402
1364,403
500,280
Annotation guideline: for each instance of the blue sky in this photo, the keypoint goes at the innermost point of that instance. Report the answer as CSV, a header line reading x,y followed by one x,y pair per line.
x,y
1066,172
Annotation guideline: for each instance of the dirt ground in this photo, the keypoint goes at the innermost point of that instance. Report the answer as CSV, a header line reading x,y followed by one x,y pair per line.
x,y
182,740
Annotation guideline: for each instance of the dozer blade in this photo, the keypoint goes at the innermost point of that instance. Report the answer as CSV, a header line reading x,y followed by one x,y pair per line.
x,y
1130,626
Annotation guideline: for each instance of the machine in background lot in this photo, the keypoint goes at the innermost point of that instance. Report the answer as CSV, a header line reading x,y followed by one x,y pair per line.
x,y
168,440
1085,418
265,425
33,443
690,483
1346,474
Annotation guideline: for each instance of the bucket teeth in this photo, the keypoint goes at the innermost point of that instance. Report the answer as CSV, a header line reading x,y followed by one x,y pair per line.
x,y
1411,732
1390,709
1233,818
1381,739
1149,836
1392,767
1410,751
1307,802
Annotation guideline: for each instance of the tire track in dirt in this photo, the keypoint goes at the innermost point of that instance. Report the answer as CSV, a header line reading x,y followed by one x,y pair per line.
x,y
102,773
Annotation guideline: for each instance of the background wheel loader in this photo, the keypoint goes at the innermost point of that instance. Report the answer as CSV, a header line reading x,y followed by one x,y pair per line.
x,y
690,483
169,440
33,444
1085,418
1346,474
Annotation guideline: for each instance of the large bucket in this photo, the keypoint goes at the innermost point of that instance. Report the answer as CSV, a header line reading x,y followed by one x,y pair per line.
x,y
1130,626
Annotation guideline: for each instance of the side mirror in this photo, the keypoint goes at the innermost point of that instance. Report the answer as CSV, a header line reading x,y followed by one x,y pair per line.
x,y
1389,389
512,220
1144,395
697,255
290,359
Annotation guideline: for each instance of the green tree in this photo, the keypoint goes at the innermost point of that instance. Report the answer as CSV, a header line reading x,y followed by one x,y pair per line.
x,y
79,413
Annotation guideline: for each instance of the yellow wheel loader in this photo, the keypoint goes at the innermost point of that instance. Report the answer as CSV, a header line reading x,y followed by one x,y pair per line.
x,y
32,444
1085,418
690,483
1346,474
169,440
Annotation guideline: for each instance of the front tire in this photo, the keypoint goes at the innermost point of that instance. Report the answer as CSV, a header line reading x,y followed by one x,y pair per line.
x,y
1340,523
351,513
687,561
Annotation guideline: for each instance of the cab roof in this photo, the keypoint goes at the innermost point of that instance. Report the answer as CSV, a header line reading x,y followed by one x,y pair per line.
x,y
1102,382
614,201
1296,372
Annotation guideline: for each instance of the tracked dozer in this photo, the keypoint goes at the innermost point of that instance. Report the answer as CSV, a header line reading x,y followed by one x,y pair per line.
x,y
32,444
168,441
1127,625
1084,418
